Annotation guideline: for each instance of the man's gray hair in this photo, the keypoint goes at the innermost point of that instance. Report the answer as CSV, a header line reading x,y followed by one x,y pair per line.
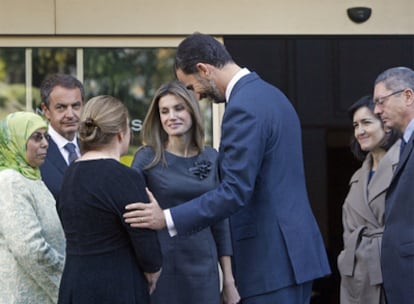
x,y
397,78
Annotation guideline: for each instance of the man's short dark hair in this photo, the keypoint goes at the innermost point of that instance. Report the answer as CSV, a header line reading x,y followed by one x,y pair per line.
x,y
64,80
200,48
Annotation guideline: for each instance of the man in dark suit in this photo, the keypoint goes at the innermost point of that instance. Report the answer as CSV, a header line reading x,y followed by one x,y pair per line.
x,y
62,102
277,245
394,103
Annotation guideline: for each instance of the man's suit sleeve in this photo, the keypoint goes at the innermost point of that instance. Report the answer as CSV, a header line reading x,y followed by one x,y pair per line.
x,y
240,156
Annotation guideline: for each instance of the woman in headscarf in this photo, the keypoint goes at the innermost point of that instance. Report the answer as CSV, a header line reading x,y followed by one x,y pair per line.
x,y
32,241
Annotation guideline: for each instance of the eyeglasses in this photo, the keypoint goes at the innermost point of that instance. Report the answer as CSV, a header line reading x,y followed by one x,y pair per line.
x,y
380,100
37,137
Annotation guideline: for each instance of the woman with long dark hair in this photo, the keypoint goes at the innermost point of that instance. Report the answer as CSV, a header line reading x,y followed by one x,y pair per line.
x,y
363,209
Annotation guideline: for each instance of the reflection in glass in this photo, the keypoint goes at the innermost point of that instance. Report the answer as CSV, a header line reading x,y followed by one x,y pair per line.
x,y
12,80
48,61
130,74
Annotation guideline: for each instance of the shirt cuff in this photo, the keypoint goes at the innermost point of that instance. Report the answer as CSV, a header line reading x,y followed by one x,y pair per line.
x,y
170,223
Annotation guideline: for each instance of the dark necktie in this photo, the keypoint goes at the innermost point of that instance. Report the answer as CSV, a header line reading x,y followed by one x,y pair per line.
x,y
70,147
402,146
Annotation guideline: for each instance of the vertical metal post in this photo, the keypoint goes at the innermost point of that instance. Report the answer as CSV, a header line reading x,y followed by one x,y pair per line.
x,y
79,64
218,111
28,79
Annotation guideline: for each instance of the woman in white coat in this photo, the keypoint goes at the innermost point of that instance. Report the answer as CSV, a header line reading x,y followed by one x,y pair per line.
x,y
363,209
32,242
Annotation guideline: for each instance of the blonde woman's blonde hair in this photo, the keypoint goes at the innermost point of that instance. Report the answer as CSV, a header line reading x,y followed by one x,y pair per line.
x,y
103,117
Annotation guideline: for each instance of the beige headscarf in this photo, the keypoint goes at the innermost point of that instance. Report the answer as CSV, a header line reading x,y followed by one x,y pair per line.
x,y
15,130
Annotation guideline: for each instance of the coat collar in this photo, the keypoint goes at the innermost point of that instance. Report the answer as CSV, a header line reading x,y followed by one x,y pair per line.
x,y
240,74
366,194
382,177
242,81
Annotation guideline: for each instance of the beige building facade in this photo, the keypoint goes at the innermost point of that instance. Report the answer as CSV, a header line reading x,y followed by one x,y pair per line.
x,y
175,18
312,50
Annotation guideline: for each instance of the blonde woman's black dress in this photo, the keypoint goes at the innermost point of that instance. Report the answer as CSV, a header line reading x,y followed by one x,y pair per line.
x,y
105,258
190,270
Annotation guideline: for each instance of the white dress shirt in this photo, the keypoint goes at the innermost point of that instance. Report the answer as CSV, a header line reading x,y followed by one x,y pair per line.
x,y
61,142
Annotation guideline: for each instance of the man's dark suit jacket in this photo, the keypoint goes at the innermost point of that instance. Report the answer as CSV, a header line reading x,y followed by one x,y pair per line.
x,y
397,254
53,169
276,240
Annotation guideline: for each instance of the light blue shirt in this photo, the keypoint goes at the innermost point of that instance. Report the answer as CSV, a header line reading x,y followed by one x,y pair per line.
x,y
408,131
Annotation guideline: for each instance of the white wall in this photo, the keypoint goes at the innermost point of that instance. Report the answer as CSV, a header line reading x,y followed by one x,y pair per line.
x,y
165,17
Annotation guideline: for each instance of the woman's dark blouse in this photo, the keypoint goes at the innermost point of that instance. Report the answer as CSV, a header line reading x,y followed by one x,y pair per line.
x,y
105,258
190,269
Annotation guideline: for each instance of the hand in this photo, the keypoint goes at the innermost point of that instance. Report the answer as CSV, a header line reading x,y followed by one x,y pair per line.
x,y
152,278
229,294
142,215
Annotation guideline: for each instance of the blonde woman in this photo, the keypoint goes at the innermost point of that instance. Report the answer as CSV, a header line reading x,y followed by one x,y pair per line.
x,y
107,261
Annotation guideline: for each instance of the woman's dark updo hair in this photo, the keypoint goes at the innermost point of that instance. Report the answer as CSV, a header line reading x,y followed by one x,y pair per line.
x,y
391,136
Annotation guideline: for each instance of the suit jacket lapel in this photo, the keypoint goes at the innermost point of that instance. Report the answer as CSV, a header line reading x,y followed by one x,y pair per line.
x,y
239,84
404,157
55,157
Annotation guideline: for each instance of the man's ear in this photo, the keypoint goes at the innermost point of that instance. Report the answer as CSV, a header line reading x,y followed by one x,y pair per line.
x,y
120,136
410,96
203,69
45,110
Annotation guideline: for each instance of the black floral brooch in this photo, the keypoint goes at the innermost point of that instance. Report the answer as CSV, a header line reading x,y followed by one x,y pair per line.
x,y
201,168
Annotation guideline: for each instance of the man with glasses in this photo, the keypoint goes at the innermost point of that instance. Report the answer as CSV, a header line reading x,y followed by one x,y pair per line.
x,y
62,102
394,103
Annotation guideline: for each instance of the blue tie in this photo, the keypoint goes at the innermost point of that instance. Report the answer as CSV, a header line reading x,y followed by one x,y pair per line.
x,y
71,148
402,146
